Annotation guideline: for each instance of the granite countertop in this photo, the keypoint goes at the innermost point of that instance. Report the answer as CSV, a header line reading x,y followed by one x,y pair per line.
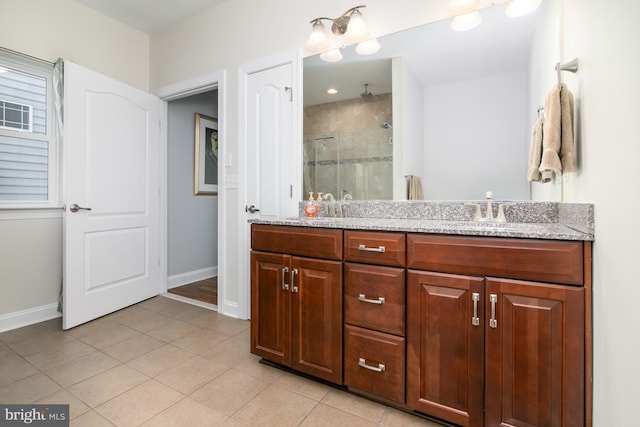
x,y
536,220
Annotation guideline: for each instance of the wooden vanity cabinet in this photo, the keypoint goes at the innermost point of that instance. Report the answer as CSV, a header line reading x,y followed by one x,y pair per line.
x,y
511,349
374,313
296,301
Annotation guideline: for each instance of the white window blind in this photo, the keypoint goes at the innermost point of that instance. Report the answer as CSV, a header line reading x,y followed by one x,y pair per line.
x,y
27,146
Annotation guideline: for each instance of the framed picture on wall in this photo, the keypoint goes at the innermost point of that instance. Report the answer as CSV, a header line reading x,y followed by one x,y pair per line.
x,y
206,156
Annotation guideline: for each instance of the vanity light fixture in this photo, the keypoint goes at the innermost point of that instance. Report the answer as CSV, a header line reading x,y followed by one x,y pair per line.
x,y
466,17
368,47
331,56
350,24
517,8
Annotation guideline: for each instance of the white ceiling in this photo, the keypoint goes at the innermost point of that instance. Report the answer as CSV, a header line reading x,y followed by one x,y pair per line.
x,y
149,16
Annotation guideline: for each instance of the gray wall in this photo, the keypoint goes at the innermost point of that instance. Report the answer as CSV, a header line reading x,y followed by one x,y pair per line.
x,y
192,220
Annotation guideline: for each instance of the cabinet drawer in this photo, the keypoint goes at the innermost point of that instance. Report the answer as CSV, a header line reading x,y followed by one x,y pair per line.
x,y
374,297
304,241
538,260
374,362
375,247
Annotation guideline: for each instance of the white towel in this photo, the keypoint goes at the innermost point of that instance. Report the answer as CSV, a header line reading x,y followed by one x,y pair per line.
x,y
535,152
415,188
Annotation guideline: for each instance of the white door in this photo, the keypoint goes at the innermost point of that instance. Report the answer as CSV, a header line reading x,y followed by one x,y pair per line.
x,y
271,146
111,164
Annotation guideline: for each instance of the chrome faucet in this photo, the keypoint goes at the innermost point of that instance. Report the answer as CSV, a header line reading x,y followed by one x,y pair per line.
x,y
488,217
332,203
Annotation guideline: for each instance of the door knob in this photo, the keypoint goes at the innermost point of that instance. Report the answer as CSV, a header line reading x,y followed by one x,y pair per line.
x,y
251,209
75,208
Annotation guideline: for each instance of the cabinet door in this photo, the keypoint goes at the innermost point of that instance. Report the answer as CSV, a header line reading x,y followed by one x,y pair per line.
x,y
445,346
317,318
535,354
271,306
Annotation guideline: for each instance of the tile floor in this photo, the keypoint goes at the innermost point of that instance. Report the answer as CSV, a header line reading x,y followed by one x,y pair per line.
x,y
163,362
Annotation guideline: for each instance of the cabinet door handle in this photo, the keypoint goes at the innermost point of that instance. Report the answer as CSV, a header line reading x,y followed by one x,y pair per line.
x,y
363,298
362,362
285,270
493,298
475,320
294,273
366,249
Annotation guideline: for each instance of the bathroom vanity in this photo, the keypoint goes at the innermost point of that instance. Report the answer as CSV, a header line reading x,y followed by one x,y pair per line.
x,y
474,324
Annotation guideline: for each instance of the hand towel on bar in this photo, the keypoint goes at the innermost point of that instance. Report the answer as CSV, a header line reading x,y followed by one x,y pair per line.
x,y
551,138
535,151
415,188
567,157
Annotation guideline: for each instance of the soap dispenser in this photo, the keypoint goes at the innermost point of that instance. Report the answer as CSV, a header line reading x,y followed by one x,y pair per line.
x,y
311,207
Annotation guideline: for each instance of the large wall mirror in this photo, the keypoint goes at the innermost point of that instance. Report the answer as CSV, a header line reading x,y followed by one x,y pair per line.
x,y
452,108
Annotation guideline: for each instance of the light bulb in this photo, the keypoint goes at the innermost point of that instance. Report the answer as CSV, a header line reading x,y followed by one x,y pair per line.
x,y
317,39
331,56
460,7
466,22
368,47
357,30
517,8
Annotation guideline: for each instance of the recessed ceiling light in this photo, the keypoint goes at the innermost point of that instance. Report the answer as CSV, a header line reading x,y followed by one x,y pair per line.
x,y
332,91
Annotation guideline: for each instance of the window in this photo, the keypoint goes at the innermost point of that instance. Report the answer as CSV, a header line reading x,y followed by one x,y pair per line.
x,y
28,149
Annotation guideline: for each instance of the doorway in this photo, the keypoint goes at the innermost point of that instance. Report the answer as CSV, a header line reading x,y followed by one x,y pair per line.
x,y
192,216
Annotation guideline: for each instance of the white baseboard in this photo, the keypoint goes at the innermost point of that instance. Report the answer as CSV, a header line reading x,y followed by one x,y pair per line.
x,y
19,319
230,309
191,276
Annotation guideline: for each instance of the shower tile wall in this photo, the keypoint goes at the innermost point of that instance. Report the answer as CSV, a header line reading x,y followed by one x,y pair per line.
x,y
347,150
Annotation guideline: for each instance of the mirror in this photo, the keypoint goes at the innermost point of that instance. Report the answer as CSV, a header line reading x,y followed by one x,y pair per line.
x,y
449,107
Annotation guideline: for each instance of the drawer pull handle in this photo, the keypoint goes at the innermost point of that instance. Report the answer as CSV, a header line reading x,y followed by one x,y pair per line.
x,y
294,273
285,286
363,298
493,322
362,362
366,249
475,320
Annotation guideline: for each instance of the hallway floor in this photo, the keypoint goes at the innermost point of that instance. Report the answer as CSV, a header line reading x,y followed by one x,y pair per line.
x,y
163,362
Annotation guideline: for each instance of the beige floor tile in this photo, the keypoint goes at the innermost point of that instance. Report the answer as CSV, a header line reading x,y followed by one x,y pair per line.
x,y
192,374
69,373
159,360
325,415
229,326
230,353
38,330
52,356
395,418
159,304
133,347
139,404
14,368
100,388
200,342
275,407
92,419
28,390
191,314
110,336
298,384
174,330
354,404
63,397
189,412
53,342
141,319
250,364
229,392
244,335
5,350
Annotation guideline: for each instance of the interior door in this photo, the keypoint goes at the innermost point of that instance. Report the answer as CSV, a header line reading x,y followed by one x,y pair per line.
x,y
111,164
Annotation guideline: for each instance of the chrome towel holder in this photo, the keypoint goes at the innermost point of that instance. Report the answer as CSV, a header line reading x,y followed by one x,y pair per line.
x,y
571,66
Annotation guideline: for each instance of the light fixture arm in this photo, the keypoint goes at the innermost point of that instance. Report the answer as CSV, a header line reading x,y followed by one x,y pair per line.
x,y
340,24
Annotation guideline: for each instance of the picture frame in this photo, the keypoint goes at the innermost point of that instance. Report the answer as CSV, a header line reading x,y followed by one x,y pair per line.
x,y
206,155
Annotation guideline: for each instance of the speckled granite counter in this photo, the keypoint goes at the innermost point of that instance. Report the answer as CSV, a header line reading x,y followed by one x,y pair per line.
x,y
537,220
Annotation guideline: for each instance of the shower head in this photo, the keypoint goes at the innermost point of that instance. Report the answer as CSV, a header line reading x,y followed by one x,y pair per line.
x,y
366,93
